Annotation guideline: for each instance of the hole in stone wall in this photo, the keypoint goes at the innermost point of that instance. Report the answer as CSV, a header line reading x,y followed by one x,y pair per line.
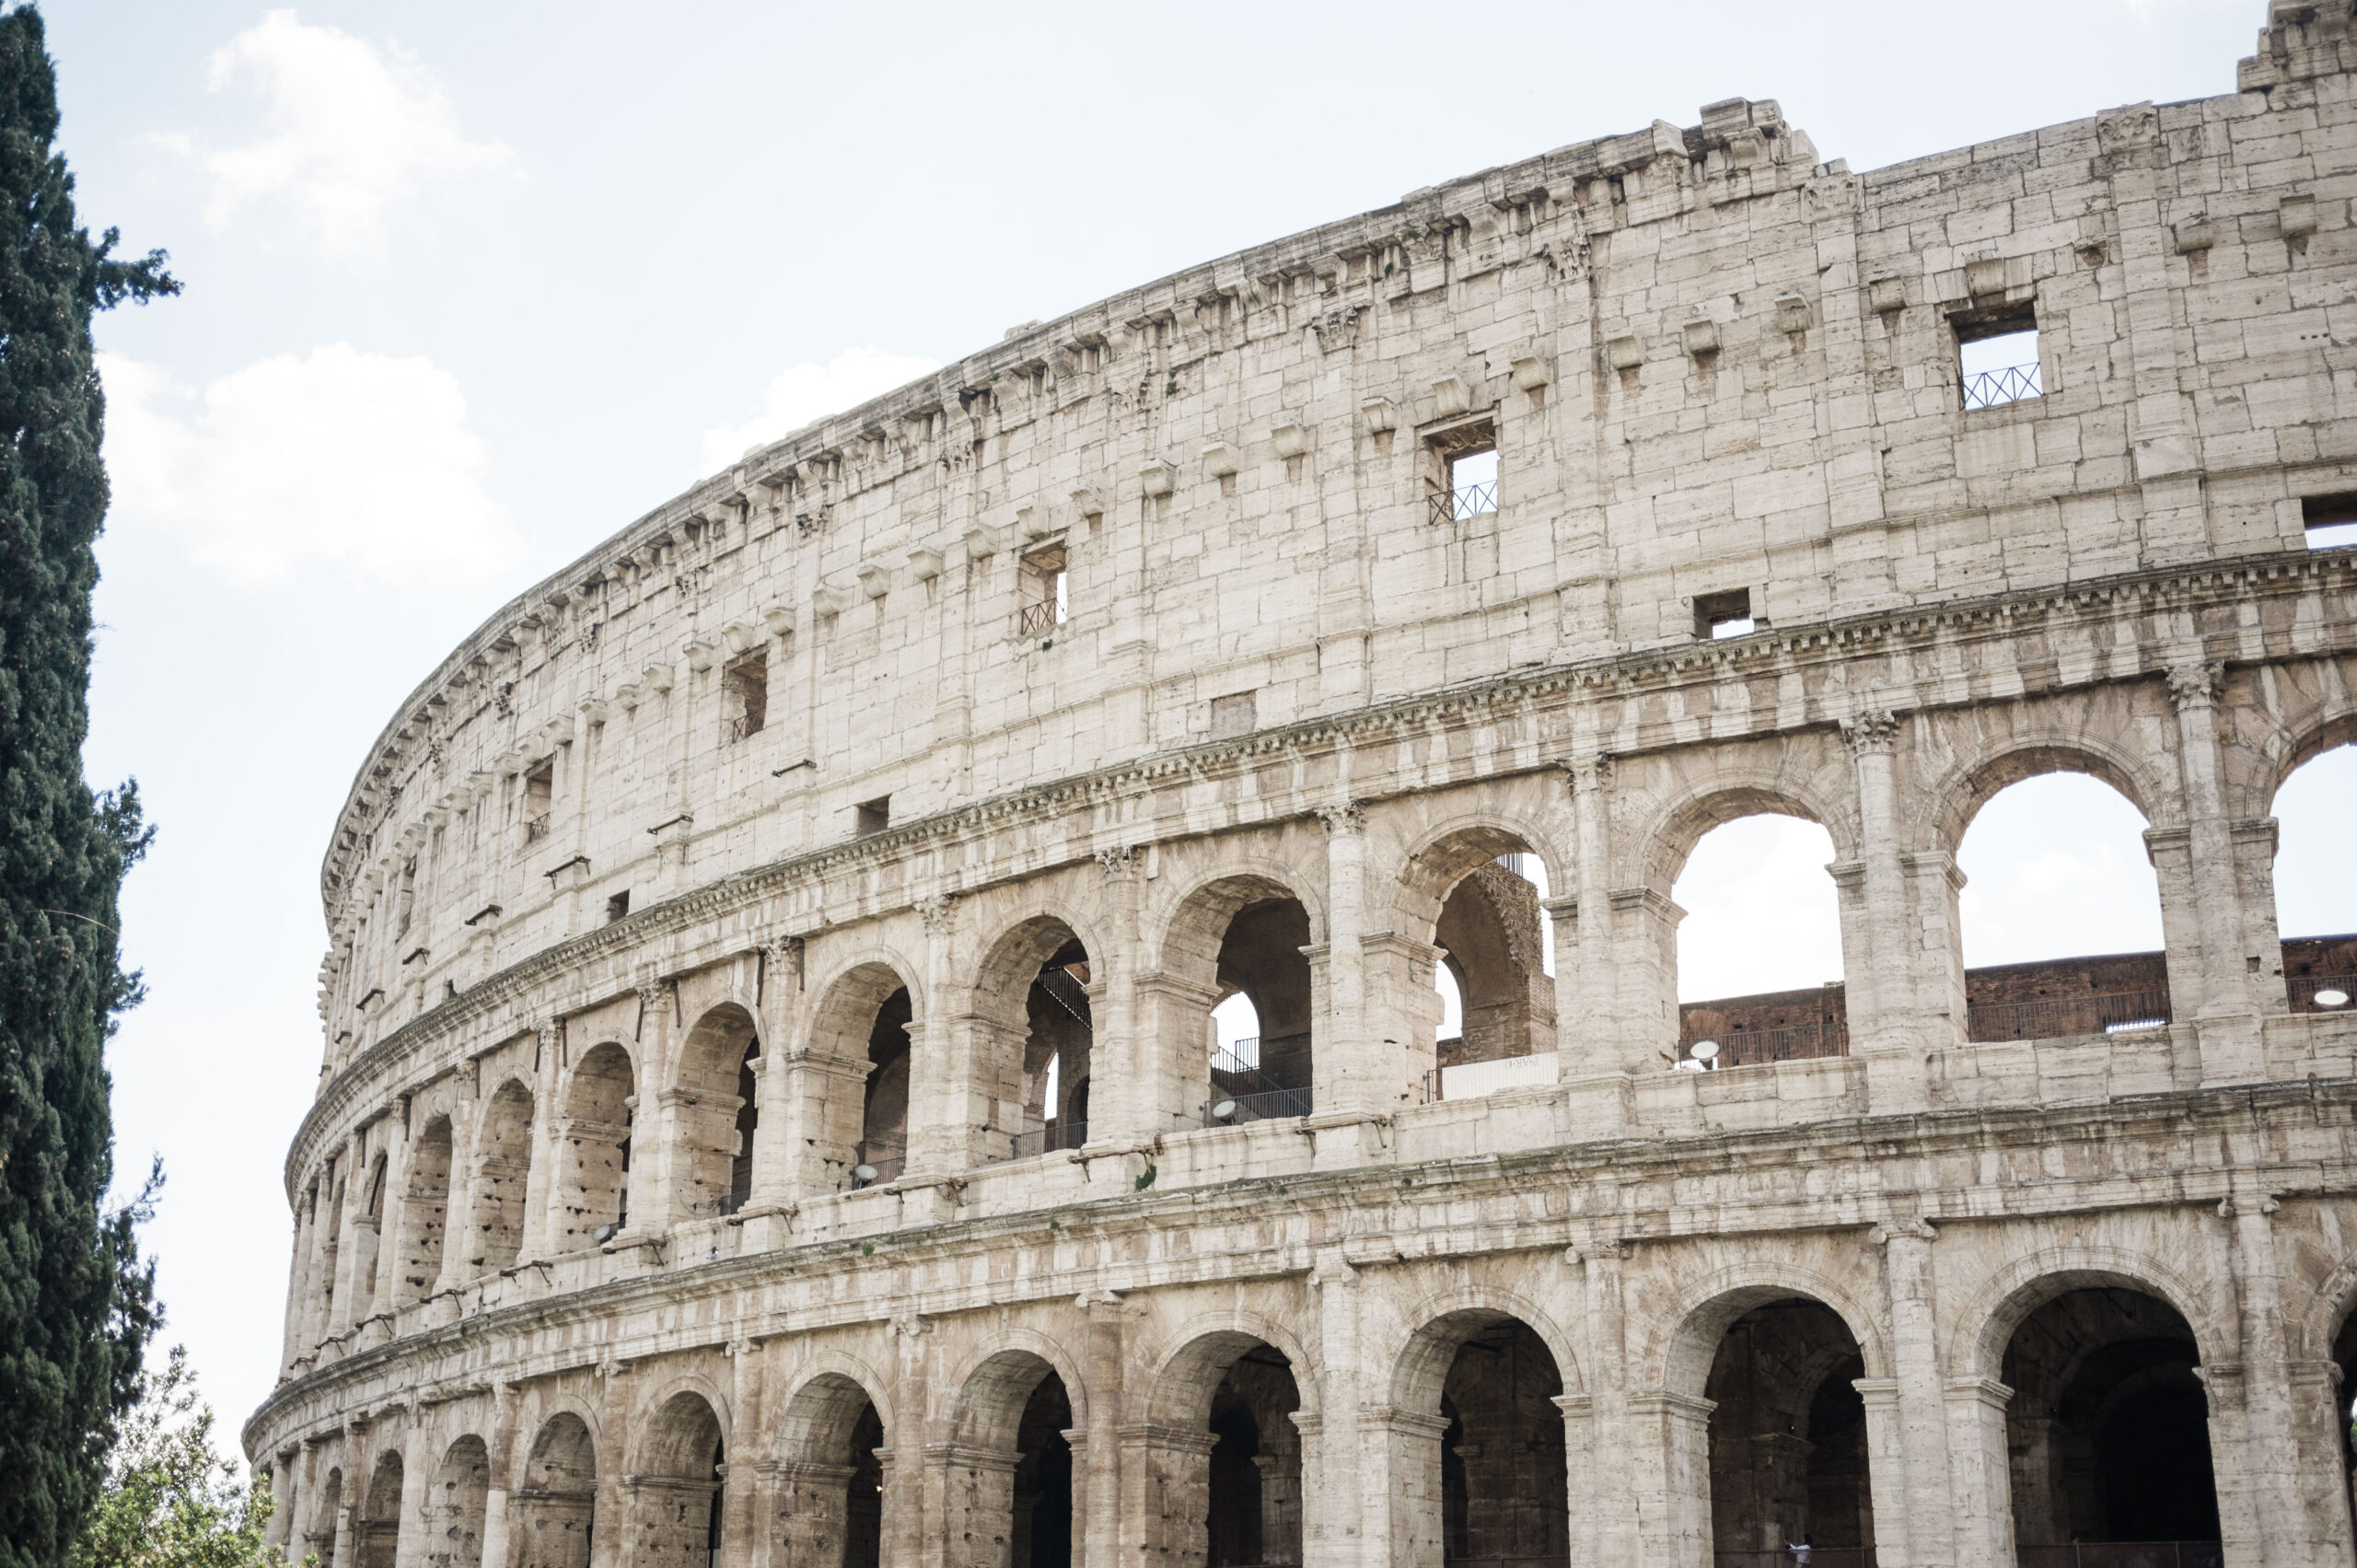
x,y
871,816
2331,520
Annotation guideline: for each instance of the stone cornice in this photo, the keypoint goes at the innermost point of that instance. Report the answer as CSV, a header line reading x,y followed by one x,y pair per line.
x,y
1609,1168
1701,664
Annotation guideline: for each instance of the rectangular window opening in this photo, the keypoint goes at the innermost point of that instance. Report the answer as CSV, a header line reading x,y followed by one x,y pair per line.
x,y
1727,614
1997,358
1467,481
539,794
2331,520
618,906
747,685
1046,589
871,816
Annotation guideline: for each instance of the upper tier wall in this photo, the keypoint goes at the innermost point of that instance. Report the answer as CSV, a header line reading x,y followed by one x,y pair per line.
x,y
1708,361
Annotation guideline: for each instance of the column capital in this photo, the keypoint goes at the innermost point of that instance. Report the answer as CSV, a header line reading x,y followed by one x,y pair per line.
x,y
1871,733
2197,685
1587,774
1344,819
937,911
1117,864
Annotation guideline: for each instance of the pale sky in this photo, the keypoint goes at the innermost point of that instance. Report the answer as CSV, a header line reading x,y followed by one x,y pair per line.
x,y
472,285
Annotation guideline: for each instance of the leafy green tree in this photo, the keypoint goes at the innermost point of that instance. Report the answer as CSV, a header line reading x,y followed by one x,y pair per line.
x,y
74,1298
169,1499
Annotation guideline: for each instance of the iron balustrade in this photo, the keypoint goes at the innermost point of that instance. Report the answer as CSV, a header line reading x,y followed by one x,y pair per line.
x,y
2062,1018
536,829
1267,1105
2302,990
2121,1555
1749,1048
1046,1140
742,726
1819,1557
1471,501
1993,388
1038,618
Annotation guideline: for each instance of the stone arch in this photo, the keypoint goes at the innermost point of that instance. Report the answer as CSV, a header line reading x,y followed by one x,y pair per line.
x,y
1011,1464
867,1020
677,1415
456,1506
2329,1307
1725,795
370,1236
376,1529
1441,1322
1237,928
712,1111
503,1174
1442,852
320,1538
830,1474
828,1394
1485,921
1184,1371
1956,797
1985,1324
1224,1433
1708,1307
594,1144
555,1503
1178,916
425,1214
1024,1019
2285,718
681,1447
986,1380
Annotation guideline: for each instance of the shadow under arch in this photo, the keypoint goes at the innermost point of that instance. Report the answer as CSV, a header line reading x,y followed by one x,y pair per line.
x,y
555,1505
830,1472
594,1145
865,1029
714,1113
678,1491
1034,1024
1224,1400
1010,1460
1236,929
1990,1317
1454,891
456,1506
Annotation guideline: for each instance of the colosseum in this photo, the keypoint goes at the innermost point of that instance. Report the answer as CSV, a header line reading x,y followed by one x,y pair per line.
x,y
708,1164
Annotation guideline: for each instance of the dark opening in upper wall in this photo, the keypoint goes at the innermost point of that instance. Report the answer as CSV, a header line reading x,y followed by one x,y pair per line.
x,y
2331,520
1998,359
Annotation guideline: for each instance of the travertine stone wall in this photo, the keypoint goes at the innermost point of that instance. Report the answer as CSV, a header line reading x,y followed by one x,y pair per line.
x,y
684,1174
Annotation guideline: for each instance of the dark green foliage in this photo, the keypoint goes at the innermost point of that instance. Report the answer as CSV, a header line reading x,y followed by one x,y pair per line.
x,y
74,1299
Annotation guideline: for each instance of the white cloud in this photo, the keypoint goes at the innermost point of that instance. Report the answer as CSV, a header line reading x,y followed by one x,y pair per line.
x,y
351,127
346,460
804,393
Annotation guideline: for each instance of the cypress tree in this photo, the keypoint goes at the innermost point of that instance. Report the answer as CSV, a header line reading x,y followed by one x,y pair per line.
x,y
75,1301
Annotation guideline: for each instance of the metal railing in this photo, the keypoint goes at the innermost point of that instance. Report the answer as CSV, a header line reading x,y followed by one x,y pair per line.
x,y
536,829
2303,989
2122,1554
888,1157
1507,1563
745,725
1046,1140
1472,501
1749,1048
1992,388
1267,1105
1819,1557
2120,1012
1038,618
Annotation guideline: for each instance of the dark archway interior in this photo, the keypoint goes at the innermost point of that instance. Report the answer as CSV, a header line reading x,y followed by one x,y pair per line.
x,y
1056,1055
863,1501
884,1118
748,1120
379,1530
1503,1489
1489,934
1788,1437
1254,1512
557,1508
2108,1425
1042,1512
1262,956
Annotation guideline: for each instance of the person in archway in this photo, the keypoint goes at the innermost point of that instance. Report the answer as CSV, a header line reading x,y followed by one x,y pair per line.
x,y
1801,1551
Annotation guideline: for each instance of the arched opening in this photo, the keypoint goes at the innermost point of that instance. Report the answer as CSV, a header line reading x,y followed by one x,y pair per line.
x,y
2108,1427
1504,1489
596,1137
1760,965
1788,1440
2059,914
1240,935
501,1176
377,1534
369,1239
1012,1466
2316,871
883,1151
681,1494
833,1476
1493,940
713,1109
320,1537
1035,1027
555,1509
426,1210
461,1492
1224,1438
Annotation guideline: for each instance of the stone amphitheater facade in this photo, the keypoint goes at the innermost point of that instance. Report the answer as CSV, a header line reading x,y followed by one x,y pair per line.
x,y
709,1161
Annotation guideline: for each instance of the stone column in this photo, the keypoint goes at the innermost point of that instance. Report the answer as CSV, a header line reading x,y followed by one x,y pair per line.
x,y
938,1081
356,1457
2270,1412
818,1130
1668,1440
1173,1053
970,1493
1980,1482
1126,1072
614,1521
2221,1006
2320,1415
812,1513
1605,1508
1943,1015
1879,960
1895,1533
742,1536
413,1529
355,1166
1352,1072
1922,1413
1403,1477
501,1451
282,1498
908,1524
1334,1530
1579,1462
1100,1461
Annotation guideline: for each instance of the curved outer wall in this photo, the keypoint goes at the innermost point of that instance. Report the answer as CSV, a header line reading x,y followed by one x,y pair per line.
x,y
616,901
